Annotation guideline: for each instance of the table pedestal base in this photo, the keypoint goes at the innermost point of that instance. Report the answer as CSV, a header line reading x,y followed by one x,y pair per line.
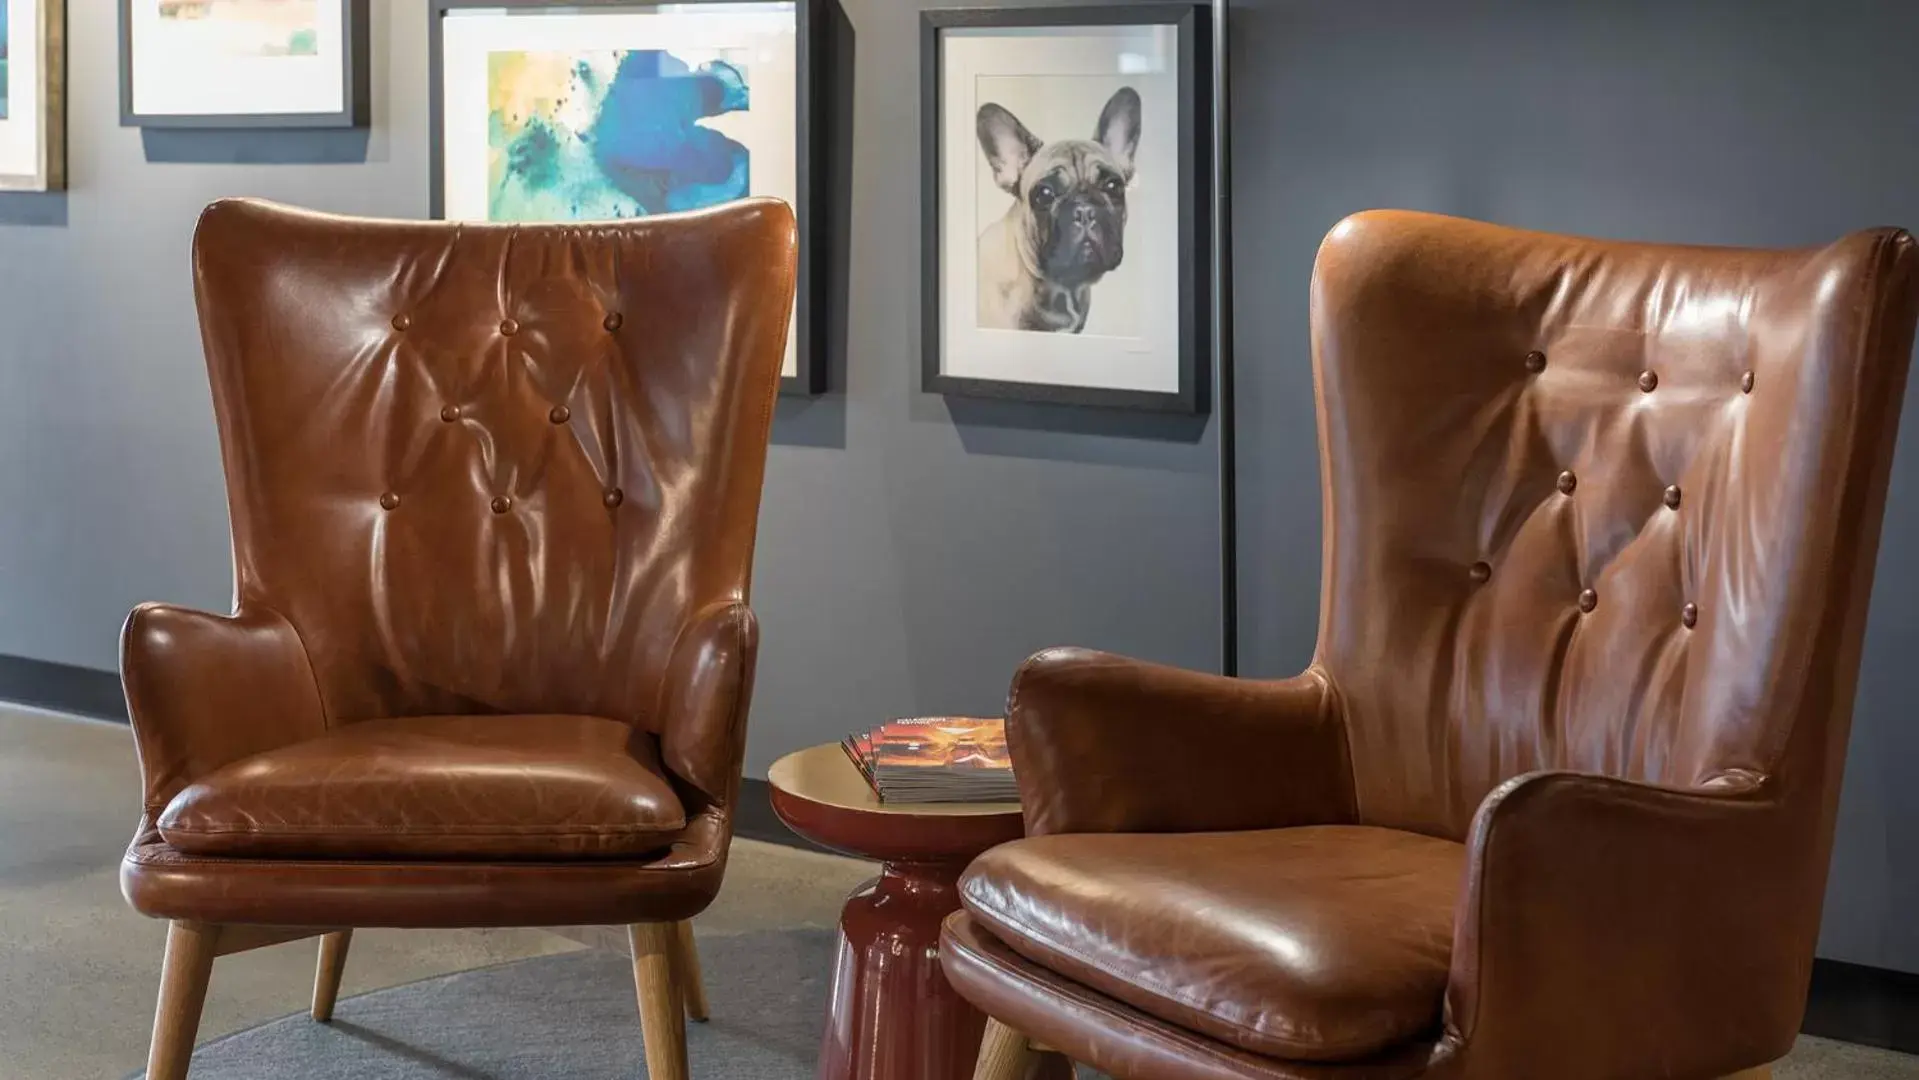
x,y
893,1015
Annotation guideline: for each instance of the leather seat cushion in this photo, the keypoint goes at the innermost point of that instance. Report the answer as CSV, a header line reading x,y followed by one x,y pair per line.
x,y
438,787
1328,943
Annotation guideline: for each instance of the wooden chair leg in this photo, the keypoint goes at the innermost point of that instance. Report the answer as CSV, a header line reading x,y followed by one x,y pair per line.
x,y
686,957
191,948
1004,1054
662,1019
1763,1072
326,978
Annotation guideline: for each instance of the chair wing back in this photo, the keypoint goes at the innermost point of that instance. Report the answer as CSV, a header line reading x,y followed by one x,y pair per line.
x,y
1603,507
493,468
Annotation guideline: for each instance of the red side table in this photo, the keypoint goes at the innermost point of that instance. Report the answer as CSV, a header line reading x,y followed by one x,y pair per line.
x,y
893,1016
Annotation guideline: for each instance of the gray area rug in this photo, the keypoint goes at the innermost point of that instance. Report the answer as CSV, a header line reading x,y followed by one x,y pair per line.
x,y
573,1016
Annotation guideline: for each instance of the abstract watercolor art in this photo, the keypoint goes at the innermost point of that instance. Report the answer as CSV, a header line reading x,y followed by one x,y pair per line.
x,y
33,95
244,63
3,60
241,28
598,135
608,110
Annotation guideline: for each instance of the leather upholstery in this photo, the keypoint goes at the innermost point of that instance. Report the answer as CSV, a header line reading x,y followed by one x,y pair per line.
x,y
1601,522
1314,943
502,472
438,787
1088,1026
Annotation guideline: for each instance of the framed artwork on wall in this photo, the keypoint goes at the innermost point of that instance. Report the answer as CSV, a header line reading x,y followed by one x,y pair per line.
x,y
33,95
1066,204
244,63
608,109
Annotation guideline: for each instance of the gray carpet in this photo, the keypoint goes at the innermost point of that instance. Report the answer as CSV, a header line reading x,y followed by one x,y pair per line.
x,y
571,1015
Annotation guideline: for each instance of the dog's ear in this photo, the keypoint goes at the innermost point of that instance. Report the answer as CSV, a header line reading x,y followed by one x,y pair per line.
x,y
1008,145
1118,129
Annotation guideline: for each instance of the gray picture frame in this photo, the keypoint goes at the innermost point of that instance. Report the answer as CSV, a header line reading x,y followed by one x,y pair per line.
x,y
815,21
356,63
1192,22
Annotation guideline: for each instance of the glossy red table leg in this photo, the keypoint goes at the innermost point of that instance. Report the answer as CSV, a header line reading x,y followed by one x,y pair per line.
x,y
893,1015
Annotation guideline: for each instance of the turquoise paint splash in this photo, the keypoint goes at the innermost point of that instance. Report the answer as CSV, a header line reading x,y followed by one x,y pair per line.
x,y
638,145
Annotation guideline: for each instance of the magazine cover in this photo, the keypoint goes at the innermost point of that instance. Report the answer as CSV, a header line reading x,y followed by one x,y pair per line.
x,y
935,759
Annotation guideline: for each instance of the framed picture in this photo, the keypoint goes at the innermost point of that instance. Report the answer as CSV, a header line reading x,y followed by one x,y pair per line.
x,y
244,63
608,109
33,95
1066,204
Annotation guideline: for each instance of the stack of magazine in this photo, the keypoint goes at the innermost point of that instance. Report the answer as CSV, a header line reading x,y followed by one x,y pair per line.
x,y
935,759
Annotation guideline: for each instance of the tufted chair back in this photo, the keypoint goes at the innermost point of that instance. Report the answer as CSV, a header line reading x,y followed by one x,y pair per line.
x,y
1594,506
493,469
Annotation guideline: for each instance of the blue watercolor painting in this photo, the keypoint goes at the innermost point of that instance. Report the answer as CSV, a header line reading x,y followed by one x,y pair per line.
x,y
4,47
593,136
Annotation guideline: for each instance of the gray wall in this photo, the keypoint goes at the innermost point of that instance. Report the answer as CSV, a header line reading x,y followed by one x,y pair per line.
x,y
1714,121
911,552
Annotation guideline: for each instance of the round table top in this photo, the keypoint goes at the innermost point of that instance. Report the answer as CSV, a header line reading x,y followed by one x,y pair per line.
x,y
821,795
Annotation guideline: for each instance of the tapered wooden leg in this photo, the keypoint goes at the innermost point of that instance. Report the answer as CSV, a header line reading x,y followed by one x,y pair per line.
x,y
662,1022
1004,1054
686,955
326,978
1763,1072
191,948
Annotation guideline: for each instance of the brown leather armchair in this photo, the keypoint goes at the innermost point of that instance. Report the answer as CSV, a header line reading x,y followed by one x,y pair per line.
x,y
1555,798
493,493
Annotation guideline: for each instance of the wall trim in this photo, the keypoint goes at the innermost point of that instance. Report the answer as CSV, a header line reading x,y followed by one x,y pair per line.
x,y
754,819
1870,1006
66,688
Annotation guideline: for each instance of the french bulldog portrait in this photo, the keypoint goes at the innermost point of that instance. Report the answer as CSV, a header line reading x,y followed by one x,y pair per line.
x,y
1066,228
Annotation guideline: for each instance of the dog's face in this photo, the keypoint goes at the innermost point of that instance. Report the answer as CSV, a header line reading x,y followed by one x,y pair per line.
x,y
1071,193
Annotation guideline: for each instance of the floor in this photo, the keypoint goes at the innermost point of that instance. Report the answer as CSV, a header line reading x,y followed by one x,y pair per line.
x,y
78,969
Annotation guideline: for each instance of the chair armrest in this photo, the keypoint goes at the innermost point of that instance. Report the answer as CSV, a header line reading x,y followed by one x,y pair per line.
x,y
1102,743
206,690
1613,928
706,696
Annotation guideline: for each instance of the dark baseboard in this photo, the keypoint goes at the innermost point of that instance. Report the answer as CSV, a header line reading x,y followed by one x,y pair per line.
x,y
1865,1005
755,819
1848,1002
62,688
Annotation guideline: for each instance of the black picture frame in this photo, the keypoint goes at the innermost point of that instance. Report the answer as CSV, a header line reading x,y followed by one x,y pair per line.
x,y
356,61
1194,51
814,64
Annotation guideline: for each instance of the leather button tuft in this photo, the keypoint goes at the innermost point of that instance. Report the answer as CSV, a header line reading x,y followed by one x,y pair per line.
x,y
613,498
1648,381
1588,600
389,500
501,504
1672,497
1535,361
1689,615
1481,572
450,413
1567,482
1745,383
508,327
613,320
560,414
402,321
